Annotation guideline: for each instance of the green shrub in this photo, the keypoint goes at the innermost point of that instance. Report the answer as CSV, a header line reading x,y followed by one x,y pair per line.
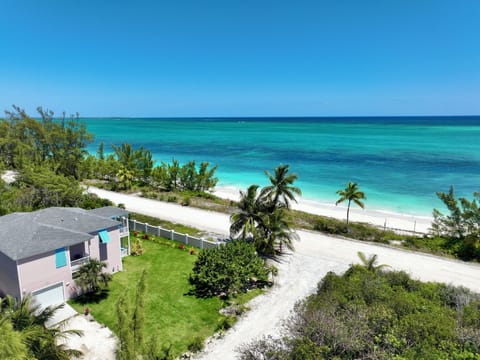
x,y
229,269
186,201
378,315
172,198
137,248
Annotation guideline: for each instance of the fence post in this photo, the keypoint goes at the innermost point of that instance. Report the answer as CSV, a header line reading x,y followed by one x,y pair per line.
x,y
158,230
171,234
134,225
186,239
146,228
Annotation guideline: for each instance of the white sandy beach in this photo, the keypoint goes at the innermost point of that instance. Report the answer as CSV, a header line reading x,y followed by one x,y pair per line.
x,y
376,217
299,272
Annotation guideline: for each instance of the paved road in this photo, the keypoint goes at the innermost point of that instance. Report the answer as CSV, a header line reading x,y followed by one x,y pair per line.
x,y
299,272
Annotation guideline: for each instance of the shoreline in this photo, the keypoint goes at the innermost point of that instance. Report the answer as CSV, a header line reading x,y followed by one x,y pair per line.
x,y
378,217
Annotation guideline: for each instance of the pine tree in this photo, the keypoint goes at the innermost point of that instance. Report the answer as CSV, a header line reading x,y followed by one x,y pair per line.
x,y
138,319
125,336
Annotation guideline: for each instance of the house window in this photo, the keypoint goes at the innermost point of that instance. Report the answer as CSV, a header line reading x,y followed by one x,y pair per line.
x,y
60,258
104,236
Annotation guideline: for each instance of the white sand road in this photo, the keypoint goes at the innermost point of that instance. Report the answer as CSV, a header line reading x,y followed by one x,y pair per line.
x,y
315,254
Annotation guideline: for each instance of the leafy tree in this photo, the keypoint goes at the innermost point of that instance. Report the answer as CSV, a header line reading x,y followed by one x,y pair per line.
x,y
91,277
228,270
42,188
463,218
101,151
188,176
57,143
351,193
461,225
173,171
281,190
206,179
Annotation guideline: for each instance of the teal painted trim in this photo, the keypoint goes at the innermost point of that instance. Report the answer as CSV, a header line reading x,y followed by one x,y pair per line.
x,y
60,258
104,236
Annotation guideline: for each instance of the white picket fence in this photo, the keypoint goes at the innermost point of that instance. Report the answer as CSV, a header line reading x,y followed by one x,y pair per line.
x,y
172,235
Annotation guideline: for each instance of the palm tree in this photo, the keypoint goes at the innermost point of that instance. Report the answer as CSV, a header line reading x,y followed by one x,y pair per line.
x,y
281,187
245,222
91,276
31,321
276,233
351,193
125,177
371,262
12,343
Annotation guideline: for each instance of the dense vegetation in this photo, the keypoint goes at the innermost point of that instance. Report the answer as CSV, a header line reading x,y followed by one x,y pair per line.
x,y
48,157
370,314
263,216
25,335
50,160
228,270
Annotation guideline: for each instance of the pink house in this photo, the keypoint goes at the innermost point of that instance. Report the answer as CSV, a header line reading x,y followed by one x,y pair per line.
x,y
41,251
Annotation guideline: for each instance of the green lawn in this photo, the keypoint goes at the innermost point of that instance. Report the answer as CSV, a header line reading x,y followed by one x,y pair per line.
x,y
171,315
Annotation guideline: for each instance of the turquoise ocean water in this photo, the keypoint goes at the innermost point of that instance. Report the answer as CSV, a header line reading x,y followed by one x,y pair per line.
x,y
399,162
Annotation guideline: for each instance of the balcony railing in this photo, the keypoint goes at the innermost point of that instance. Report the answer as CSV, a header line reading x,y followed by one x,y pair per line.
x,y
76,264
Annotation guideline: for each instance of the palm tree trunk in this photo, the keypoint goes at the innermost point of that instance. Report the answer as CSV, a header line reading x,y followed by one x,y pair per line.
x,y
348,210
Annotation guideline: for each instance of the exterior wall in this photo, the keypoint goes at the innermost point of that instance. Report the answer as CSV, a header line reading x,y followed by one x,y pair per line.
x,y
8,277
39,271
113,250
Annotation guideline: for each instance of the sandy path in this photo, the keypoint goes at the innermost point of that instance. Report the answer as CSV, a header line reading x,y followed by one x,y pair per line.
x,y
97,342
299,273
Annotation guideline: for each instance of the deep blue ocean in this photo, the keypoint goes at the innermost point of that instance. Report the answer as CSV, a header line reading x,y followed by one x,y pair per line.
x,y
400,162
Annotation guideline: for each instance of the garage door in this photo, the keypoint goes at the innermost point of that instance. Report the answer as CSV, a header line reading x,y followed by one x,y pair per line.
x,y
50,296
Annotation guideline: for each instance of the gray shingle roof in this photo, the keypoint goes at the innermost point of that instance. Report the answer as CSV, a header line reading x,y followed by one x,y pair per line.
x,y
26,234
109,211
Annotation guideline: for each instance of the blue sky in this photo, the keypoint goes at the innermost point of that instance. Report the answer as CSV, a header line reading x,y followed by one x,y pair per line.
x,y
241,58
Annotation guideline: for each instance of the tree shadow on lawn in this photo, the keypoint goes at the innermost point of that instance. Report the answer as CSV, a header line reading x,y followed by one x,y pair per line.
x,y
90,298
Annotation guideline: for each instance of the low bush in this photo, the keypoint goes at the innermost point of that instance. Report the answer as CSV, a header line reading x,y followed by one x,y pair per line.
x,y
229,269
186,201
359,231
137,248
366,314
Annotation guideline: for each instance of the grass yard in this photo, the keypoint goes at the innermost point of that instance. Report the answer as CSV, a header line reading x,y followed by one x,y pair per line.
x,y
171,315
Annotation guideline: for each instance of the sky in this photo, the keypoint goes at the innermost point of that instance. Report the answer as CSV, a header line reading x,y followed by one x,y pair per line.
x,y
241,58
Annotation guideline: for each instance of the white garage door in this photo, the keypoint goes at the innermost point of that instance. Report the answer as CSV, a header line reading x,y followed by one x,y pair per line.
x,y
50,296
